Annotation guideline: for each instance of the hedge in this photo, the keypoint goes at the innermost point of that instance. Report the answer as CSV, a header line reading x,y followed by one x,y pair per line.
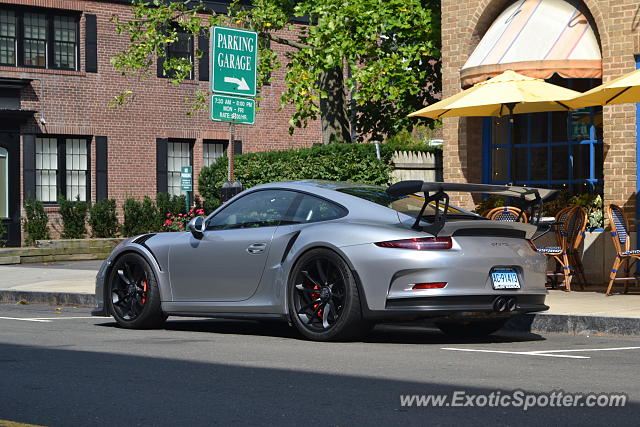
x,y
335,162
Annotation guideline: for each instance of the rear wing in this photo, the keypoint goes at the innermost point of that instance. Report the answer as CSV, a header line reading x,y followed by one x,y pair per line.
x,y
437,192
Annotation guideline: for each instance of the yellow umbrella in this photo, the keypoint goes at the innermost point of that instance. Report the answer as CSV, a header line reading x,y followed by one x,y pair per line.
x,y
507,93
625,89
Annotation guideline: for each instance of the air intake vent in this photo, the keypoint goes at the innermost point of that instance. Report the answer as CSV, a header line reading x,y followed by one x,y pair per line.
x,y
142,239
490,232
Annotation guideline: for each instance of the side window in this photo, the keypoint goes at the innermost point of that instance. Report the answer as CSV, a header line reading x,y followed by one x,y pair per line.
x,y
314,209
259,209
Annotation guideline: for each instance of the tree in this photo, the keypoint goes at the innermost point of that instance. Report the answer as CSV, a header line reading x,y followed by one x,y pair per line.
x,y
361,64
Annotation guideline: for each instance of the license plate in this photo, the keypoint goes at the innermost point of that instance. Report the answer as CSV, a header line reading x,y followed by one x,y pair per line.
x,y
505,278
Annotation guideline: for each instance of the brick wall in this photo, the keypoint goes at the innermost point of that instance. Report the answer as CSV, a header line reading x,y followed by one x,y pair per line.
x,y
618,24
75,103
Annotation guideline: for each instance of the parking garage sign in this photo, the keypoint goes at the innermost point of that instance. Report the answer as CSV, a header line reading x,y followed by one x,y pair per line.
x,y
234,61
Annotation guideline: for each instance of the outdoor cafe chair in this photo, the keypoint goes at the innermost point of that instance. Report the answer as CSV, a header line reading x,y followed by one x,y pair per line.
x,y
622,244
507,214
567,221
576,231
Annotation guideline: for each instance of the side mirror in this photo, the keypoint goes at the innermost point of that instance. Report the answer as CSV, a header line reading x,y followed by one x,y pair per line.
x,y
197,226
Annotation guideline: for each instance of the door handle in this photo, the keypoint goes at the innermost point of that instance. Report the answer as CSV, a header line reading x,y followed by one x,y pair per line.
x,y
257,248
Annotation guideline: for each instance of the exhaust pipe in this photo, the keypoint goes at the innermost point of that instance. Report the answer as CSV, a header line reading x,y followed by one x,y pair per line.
x,y
503,304
500,305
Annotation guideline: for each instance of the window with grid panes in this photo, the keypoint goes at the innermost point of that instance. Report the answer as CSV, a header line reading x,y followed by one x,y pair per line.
x,y
181,49
76,168
38,38
61,168
8,27
179,154
212,151
47,169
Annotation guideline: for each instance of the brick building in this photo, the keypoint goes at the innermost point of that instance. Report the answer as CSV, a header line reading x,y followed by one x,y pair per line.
x,y
574,43
57,134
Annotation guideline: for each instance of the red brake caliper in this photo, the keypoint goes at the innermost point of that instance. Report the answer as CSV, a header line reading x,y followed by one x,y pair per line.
x,y
144,291
314,296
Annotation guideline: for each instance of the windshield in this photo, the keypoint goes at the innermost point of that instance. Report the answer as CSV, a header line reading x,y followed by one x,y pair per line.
x,y
408,205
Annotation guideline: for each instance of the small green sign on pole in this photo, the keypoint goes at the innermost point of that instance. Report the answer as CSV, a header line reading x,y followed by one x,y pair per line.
x,y
186,181
234,61
233,109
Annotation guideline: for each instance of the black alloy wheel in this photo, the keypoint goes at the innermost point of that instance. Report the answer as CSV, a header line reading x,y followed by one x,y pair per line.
x,y
323,297
134,299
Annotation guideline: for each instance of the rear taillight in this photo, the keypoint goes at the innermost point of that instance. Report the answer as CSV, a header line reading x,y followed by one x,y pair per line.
x,y
432,285
418,244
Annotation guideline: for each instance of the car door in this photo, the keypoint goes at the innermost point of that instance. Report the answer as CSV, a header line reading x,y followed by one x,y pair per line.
x,y
227,261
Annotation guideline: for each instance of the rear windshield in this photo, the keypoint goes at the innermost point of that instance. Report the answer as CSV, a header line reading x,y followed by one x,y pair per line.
x,y
409,205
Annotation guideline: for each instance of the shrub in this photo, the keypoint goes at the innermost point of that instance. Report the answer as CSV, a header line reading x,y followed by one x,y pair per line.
x,y
149,218
178,222
3,234
74,216
35,224
335,162
167,204
103,219
134,223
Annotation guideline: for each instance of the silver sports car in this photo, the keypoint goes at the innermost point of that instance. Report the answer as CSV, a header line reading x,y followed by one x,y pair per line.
x,y
332,259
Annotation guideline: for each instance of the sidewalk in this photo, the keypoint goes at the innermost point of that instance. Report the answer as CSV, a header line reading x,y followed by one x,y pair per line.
x,y
583,312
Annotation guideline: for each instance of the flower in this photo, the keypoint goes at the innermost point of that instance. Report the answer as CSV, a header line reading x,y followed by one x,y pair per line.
x,y
168,222
168,215
180,226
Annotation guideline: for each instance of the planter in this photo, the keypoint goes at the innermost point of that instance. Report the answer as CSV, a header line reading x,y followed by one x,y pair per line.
x,y
59,250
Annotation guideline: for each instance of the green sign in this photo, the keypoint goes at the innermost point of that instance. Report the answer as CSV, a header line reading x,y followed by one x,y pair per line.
x,y
234,61
233,109
186,182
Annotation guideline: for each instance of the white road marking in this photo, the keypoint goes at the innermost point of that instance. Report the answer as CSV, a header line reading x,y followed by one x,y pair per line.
x,y
49,319
587,349
545,353
72,317
525,353
26,320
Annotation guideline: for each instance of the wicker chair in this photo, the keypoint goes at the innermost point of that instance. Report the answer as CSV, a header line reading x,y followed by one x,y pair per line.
x,y
507,214
559,253
577,227
622,243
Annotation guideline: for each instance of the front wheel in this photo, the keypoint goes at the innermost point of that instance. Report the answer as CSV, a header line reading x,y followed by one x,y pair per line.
x,y
471,328
324,304
134,298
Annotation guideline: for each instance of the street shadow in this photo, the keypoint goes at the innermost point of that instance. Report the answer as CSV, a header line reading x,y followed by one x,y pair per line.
x,y
46,386
382,333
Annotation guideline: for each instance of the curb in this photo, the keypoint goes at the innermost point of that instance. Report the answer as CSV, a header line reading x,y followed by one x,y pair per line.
x,y
574,324
528,323
50,298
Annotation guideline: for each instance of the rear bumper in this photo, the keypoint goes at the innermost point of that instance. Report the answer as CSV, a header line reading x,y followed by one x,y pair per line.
x,y
454,306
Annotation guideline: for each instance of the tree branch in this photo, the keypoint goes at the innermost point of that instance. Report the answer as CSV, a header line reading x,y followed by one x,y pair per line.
x,y
286,42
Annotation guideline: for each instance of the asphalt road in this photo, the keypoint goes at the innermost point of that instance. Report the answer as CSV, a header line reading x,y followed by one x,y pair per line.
x,y
63,368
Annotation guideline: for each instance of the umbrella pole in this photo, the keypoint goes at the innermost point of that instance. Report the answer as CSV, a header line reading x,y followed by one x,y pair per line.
x,y
512,136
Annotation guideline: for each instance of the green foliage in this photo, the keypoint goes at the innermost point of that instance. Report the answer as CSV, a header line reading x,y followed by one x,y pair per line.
x,y
103,219
391,49
3,234
335,162
150,216
35,223
74,216
592,204
134,223
489,203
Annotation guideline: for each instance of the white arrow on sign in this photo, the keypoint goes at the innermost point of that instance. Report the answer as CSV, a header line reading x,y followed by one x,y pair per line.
x,y
242,83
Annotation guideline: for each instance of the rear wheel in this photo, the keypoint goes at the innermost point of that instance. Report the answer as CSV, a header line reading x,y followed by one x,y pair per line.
x,y
471,328
324,303
134,298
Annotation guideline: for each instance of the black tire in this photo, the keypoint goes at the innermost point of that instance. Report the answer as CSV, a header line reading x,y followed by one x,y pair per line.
x,y
321,279
133,297
471,328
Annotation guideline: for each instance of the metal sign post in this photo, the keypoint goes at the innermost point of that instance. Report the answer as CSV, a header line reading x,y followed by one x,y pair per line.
x,y
234,71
